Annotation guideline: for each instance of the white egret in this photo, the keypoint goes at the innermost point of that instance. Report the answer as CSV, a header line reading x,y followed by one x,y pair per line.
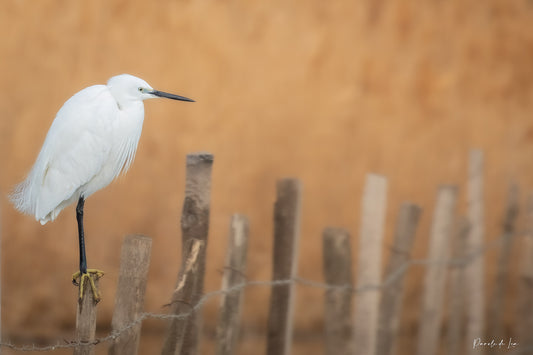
x,y
93,138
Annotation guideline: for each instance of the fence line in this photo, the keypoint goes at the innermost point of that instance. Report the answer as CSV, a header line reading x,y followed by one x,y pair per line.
x,y
388,281
461,261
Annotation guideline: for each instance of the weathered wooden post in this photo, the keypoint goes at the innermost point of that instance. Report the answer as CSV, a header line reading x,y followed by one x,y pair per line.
x,y
234,274
524,322
0,280
497,305
456,293
374,205
86,320
183,334
437,271
338,302
285,259
392,294
129,300
474,272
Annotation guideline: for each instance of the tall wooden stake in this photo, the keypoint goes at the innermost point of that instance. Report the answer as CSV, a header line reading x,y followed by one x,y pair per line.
x,y
437,271
524,322
392,296
285,258
456,292
497,306
474,272
234,274
371,235
183,334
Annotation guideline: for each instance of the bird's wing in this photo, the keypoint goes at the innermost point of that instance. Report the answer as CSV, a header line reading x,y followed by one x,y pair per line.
x,y
75,149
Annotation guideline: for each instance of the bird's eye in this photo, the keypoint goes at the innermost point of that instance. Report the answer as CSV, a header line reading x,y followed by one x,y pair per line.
x,y
140,89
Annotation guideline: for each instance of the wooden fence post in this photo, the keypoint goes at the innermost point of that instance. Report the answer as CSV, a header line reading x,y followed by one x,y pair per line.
x,y
129,300
456,294
497,303
474,273
524,322
183,334
373,211
436,271
86,320
234,274
1,338
338,302
392,293
285,258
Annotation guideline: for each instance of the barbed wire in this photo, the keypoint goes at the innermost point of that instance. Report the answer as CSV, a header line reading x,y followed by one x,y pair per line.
x,y
391,278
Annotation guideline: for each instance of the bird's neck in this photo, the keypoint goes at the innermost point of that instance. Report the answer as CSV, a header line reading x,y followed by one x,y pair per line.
x,y
130,105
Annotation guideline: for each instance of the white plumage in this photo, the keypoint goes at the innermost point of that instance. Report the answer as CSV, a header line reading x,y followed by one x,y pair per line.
x,y
91,141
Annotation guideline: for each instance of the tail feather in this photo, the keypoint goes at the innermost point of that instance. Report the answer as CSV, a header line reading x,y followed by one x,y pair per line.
x,y
21,199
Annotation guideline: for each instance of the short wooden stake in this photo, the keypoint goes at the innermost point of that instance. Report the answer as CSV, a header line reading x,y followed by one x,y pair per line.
x,y
86,320
134,264
338,302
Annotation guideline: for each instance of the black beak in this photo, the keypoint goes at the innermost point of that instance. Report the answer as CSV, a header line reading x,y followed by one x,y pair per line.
x,y
170,96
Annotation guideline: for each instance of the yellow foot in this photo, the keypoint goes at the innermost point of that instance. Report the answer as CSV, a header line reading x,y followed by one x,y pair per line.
x,y
79,279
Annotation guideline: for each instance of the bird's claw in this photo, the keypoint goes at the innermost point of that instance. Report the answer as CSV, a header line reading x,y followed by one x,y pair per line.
x,y
91,275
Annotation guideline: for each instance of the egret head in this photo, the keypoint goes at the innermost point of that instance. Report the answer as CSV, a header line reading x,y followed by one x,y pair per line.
x,y
127,87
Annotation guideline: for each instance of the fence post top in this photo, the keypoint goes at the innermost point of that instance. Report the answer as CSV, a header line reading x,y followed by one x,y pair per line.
x,y
197,157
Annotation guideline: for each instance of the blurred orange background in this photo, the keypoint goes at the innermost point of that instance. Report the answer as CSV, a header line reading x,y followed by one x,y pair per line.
x,y
323,91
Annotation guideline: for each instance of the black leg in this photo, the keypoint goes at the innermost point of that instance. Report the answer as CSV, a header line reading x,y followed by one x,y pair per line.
x,y
79,218
85,276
